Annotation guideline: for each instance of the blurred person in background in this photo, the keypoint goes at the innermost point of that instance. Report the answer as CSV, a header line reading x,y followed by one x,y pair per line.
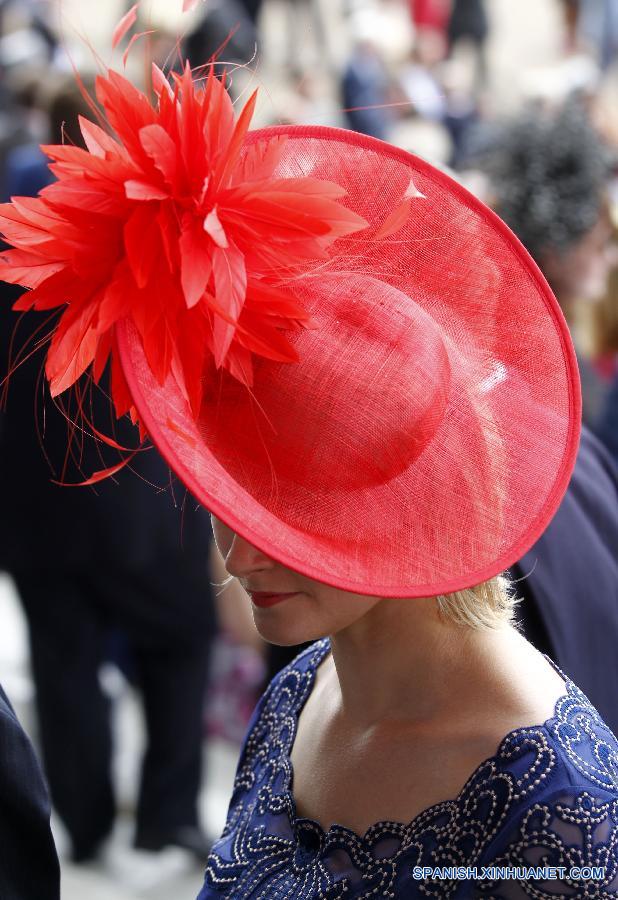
x,y
89,564
25,833
550,173
430,16
92,565
421,78
47,99
439,91
598,24
31,16
606,345
463,111
568,582
468,23
306,24
28,861
365,82
442,88
570,17
18,124
253,9
608,421
303,22
224,27
592,25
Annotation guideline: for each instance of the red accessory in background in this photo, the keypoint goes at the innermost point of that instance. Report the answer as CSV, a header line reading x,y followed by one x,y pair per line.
x,y
433,14
426,433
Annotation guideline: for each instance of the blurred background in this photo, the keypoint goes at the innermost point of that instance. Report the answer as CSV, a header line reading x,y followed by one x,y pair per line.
x,y
520,101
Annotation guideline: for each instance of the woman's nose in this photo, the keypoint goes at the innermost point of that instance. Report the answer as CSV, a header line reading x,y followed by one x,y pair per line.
x,y
243,559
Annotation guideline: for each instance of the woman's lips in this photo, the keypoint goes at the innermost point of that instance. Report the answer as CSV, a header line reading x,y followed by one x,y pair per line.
x,y
264,600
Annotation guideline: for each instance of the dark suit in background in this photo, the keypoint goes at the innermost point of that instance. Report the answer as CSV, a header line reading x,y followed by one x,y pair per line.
x,y
118,560
569,581
607,424
28,862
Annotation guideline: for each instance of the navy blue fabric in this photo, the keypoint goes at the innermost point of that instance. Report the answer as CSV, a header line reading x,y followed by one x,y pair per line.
x,y
549,797
364,89
28,862
26,171
607,426
570,581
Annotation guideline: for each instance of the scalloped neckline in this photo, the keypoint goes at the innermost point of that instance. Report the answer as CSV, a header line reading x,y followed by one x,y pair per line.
x,y
388,824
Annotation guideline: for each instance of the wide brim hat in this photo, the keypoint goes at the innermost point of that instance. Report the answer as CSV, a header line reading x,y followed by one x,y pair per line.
x,y
426,433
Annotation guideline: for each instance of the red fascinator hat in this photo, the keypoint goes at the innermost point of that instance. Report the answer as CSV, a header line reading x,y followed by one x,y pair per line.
x,y
344,355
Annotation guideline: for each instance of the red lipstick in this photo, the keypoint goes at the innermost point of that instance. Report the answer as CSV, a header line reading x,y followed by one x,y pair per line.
x,y
264,600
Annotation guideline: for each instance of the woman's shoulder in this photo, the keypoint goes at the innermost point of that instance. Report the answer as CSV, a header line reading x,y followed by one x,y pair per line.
x,y
586,745
547,798
563,808
573,750
574,745
560,793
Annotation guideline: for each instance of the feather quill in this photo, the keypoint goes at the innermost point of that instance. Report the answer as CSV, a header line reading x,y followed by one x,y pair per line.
x,y
124,25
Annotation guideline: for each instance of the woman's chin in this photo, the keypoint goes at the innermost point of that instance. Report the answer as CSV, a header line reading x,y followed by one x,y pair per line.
x,y
284,631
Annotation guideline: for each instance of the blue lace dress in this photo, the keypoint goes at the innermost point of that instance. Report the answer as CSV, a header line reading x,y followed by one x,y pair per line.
x,y
548,798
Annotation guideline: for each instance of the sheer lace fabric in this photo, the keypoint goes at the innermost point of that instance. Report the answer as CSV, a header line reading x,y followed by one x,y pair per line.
x,y
548,798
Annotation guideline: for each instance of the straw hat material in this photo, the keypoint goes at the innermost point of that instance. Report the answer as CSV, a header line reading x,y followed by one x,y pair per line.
x,y
342,353
427,434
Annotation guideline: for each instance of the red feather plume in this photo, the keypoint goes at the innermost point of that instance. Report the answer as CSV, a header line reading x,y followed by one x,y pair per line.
x,y
172,221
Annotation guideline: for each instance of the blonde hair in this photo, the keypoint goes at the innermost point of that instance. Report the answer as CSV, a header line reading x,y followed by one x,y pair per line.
x,y
488,605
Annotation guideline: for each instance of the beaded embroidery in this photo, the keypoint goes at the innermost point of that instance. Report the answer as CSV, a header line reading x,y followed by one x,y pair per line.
x,y
549,796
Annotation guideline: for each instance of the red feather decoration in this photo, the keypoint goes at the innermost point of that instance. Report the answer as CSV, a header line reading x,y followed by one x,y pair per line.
x,y
125,24
172,221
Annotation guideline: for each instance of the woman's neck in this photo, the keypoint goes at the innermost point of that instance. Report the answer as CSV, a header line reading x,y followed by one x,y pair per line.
x,y
402,661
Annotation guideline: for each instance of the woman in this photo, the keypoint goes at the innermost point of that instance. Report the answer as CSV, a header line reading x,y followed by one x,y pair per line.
x,y
323,336
374,754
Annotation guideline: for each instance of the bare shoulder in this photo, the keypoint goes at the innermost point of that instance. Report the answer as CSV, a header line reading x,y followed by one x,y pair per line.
x,y
520,691
523,689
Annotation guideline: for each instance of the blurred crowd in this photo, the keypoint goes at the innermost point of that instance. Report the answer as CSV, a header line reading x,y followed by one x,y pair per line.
x,y
120,572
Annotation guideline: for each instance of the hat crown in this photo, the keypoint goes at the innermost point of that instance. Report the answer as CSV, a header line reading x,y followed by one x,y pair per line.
x,y
365,399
